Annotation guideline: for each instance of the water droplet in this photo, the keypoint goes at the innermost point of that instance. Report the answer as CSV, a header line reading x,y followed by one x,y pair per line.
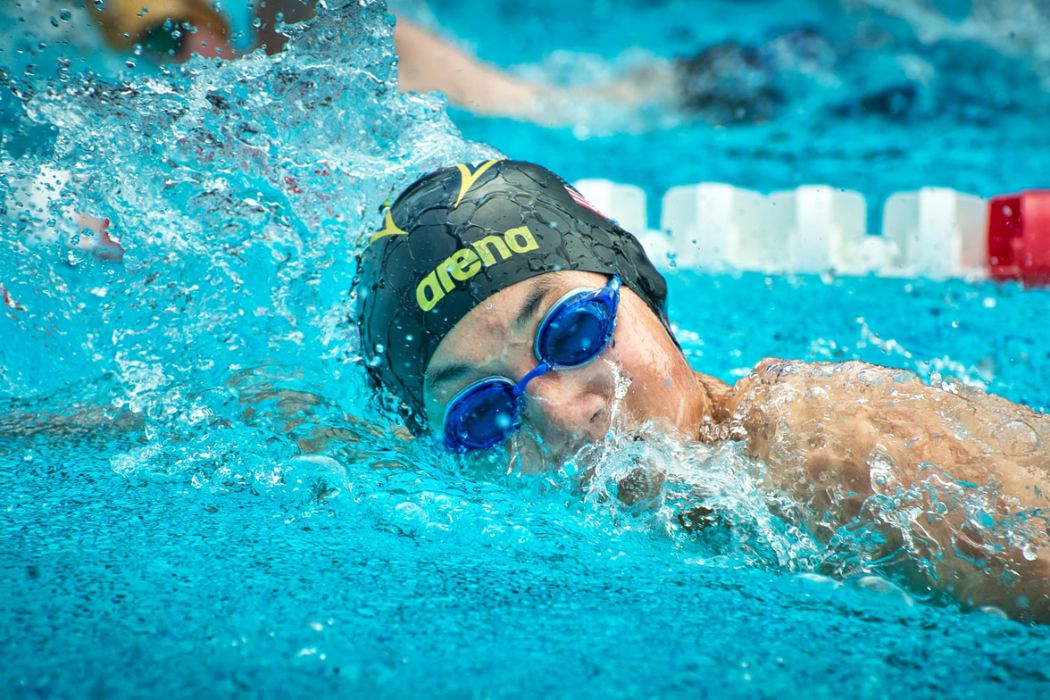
x,y
1018,438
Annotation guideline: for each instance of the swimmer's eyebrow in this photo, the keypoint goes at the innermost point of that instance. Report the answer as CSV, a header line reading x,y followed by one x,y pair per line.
x,y
450,372
532,303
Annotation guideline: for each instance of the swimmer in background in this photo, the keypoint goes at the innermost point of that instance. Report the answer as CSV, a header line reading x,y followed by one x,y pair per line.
x,y
175,30
502,313
726,83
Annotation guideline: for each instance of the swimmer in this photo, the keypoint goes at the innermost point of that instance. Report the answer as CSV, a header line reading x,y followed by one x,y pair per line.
x,y
727,83
501,313
176,30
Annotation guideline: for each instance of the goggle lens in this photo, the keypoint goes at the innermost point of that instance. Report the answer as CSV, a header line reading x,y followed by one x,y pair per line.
x,y
483,416
575,335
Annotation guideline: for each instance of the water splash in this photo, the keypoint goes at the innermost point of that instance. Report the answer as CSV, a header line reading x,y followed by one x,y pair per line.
x,y
182,226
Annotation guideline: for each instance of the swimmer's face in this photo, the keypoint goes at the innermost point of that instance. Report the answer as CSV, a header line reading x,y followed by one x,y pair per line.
x,y
567,409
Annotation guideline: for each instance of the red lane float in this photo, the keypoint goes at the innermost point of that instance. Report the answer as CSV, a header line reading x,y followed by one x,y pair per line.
x,y
1019,237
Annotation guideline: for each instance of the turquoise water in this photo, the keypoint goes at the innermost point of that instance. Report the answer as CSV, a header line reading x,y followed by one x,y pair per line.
x,y
201,499
972,121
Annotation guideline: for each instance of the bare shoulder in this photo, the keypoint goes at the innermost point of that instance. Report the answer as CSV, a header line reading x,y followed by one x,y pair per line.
x,y
858,443
808,387
855,413
774,375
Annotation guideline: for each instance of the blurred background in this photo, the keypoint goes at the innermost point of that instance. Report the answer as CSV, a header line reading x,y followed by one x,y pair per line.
x,y
874,95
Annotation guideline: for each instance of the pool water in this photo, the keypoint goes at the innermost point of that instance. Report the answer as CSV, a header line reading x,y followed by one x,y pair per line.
x,y
970,120
201,497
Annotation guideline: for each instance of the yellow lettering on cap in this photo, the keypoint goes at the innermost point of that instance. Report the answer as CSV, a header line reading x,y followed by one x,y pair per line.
x,y
467,178
442,273
520,239
464,264
486,255
467,262
429,292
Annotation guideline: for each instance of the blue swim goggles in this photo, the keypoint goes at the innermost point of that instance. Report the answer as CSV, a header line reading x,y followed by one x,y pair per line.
x,y
576,329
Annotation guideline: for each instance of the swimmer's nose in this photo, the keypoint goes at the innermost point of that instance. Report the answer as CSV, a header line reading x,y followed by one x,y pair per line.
x,y
565,408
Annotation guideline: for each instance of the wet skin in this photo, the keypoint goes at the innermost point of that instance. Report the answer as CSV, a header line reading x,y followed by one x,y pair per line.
x,y
831,436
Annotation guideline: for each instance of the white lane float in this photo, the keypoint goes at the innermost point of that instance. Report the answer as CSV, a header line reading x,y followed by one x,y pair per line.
x,y
934,232
717,226
826,229
937,233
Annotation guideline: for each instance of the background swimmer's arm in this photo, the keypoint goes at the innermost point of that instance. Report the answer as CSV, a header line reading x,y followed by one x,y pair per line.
x,y
426,62
863,447
430,63
125,23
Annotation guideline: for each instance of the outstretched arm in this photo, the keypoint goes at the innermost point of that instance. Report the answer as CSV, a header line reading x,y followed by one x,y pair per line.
x,y
428,62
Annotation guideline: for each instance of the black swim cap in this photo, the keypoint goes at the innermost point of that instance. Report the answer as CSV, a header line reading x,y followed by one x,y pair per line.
x,y
458,236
